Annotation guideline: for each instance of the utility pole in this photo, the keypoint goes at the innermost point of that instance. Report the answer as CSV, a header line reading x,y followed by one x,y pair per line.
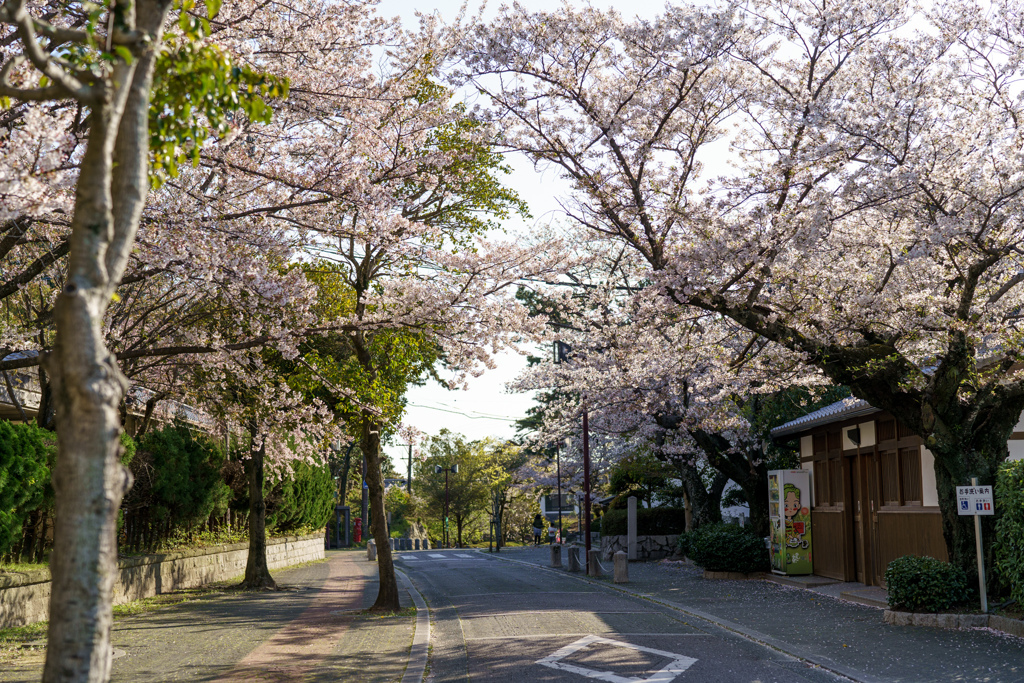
x,y
454,469
558,469
586,484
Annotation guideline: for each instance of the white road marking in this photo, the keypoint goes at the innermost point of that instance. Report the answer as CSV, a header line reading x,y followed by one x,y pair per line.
x,y
468,557
678,665
438,555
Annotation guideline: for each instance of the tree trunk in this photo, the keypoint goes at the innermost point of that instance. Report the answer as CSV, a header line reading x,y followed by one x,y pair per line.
x,y
257,573
956,462
705,502
387,594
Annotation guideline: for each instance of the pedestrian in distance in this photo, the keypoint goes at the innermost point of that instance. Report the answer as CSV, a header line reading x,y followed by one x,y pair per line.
x,y
538,527
552,531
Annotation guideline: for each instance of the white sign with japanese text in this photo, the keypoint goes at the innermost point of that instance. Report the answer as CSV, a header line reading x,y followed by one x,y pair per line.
x,y
974,500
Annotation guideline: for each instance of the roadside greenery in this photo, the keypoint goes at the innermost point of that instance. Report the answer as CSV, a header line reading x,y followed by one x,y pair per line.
x,y
649,521
26,455
925,584
725,548
1009,544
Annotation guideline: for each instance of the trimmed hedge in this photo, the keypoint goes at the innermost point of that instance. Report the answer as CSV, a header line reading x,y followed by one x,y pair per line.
x,y
649,521
925,584
725,548
1009,544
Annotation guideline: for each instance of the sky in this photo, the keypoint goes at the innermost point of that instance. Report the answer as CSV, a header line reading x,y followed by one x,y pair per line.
x,y
486,408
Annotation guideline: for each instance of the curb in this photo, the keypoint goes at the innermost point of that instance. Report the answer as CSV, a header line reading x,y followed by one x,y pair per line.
x,y
764,639
1012,627
420,649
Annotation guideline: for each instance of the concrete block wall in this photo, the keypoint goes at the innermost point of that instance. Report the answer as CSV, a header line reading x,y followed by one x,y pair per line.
x,y
25,598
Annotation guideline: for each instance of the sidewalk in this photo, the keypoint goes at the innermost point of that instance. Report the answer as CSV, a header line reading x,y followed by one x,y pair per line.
x,y
312,631
844,637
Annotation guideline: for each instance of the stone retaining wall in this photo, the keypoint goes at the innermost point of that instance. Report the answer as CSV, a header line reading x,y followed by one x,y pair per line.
x,y
955,621
25,597
647,547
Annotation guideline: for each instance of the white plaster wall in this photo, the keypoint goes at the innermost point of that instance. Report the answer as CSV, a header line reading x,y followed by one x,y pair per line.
x,y
867,433
1016,449
806,446
929,491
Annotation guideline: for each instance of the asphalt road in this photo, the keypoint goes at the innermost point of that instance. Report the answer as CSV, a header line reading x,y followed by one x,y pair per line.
x,y
495,620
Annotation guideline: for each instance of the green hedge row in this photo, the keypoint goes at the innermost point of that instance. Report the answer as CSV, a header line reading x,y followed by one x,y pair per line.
x,y
925,584
1009,544
725,548
649,521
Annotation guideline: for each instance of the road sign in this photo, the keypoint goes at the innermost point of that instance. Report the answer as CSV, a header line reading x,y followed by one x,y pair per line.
x,y
974,500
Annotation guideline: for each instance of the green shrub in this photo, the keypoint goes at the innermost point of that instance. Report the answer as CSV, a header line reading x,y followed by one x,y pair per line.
x,y
727,548
649,521
683,544
924,584
302,500
25,455
1009,544
177,477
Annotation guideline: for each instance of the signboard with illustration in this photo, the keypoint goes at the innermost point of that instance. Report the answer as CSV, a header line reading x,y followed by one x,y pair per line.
x,y
789,500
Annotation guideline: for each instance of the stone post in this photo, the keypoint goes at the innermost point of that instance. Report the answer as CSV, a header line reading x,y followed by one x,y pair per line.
x,y
556,555
621,568
416,544
631,528
426,544
371,550
574,558
594,563
391,544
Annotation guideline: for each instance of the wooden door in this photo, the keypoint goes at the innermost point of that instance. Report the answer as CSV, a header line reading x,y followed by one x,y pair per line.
x,y
857,502
873,491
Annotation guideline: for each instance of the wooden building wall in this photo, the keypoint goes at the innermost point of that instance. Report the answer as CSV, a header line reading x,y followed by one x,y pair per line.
x,y
872,500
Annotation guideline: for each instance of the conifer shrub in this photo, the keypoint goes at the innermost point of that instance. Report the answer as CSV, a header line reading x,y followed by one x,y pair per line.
x,y
302,500
925,584
26,455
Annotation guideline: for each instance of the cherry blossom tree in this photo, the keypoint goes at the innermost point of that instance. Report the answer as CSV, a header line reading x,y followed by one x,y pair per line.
x,y
866,222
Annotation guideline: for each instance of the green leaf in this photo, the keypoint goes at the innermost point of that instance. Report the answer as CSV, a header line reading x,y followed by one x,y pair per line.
x,y
213,8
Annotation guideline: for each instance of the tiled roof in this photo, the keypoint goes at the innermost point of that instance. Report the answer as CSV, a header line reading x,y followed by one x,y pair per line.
x,y
840,410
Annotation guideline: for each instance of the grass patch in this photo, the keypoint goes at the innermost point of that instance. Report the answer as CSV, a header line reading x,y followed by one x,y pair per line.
x,y
21,567
403,613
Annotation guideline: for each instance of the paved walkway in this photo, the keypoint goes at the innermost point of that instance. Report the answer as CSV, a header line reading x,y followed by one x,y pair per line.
x,y
312,631
845,637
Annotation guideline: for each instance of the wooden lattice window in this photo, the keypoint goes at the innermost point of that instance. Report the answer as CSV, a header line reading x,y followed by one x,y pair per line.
x,y
835,479
910,476
890,478
886,430
821,496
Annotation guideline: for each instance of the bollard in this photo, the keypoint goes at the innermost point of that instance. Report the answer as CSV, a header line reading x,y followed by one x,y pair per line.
x,y
426,544
416,544
556,556
391,544
574,558
621,567
405,544
593,563
371,551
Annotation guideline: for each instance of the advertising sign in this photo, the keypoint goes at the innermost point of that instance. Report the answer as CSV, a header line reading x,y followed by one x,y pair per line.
x,y
789,500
